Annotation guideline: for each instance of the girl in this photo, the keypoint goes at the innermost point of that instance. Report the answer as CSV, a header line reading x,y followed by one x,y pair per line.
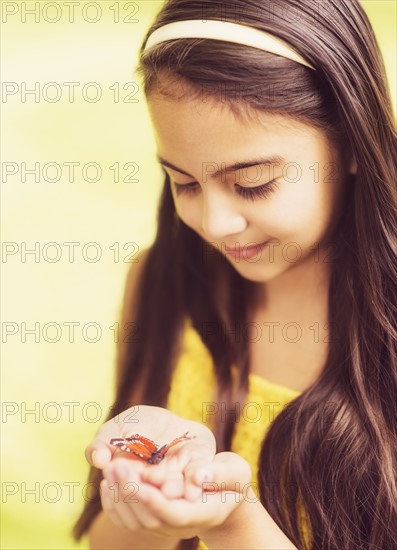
x,y
266,306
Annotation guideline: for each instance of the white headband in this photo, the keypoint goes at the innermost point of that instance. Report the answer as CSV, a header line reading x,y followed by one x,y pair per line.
x,y
224,30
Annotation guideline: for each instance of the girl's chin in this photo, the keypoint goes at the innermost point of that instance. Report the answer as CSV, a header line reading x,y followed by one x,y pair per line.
x,y
258,272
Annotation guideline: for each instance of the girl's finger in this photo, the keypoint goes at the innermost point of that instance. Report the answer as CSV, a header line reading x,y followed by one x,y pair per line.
x,y
185,518
198,471
169,474
155,475
228,472
166,476
174,485
98,454
231,467
108,504
131,507
187,459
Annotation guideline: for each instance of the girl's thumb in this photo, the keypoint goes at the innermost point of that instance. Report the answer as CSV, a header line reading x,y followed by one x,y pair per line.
x,y
227,472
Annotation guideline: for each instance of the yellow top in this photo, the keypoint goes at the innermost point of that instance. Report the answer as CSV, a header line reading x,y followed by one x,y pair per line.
x,y
191,396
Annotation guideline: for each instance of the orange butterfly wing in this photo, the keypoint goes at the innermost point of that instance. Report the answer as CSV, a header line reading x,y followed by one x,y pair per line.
x,y
175,441
146,449
148,443
140,446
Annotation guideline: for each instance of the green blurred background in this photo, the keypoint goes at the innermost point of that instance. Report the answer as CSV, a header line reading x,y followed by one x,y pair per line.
x,y
57,386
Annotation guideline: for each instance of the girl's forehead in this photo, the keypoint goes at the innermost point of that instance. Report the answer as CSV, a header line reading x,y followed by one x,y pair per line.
x,y
204,118
193,129
203,108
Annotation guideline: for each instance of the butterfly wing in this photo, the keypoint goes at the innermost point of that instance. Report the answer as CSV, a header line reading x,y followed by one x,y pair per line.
x,y
140,446
146,449
149,444
165,448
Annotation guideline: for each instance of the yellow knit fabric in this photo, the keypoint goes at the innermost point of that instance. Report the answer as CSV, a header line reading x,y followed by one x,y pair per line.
x,y
192,396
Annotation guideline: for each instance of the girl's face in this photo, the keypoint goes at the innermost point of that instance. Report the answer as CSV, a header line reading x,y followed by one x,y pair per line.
x,y
239,183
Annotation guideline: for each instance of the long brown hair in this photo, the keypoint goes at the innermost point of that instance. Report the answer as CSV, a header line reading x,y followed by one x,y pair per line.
x,y
345,468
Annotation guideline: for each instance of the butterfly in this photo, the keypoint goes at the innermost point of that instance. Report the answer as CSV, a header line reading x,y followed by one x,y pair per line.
x,y
146,449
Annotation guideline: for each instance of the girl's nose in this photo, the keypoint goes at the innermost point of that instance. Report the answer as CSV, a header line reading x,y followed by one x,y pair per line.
x,y
220,216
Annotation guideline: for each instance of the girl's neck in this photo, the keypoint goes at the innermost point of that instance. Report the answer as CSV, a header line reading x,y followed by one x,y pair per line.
x,y
292,319
300,292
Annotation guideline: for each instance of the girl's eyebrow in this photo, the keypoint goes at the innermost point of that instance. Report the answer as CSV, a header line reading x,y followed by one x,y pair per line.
x,y
274,159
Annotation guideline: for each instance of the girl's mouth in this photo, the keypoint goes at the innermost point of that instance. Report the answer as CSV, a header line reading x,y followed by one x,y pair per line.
x,y
246,252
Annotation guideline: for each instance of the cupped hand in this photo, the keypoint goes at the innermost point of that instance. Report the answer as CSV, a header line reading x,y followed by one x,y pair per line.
x,y
156,423
190,491
162,426
136,500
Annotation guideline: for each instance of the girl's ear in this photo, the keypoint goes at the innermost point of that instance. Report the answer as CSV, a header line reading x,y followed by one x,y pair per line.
x,y
353,165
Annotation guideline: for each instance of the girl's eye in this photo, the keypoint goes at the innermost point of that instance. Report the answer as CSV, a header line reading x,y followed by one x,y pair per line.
x,y
249,193
261,191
